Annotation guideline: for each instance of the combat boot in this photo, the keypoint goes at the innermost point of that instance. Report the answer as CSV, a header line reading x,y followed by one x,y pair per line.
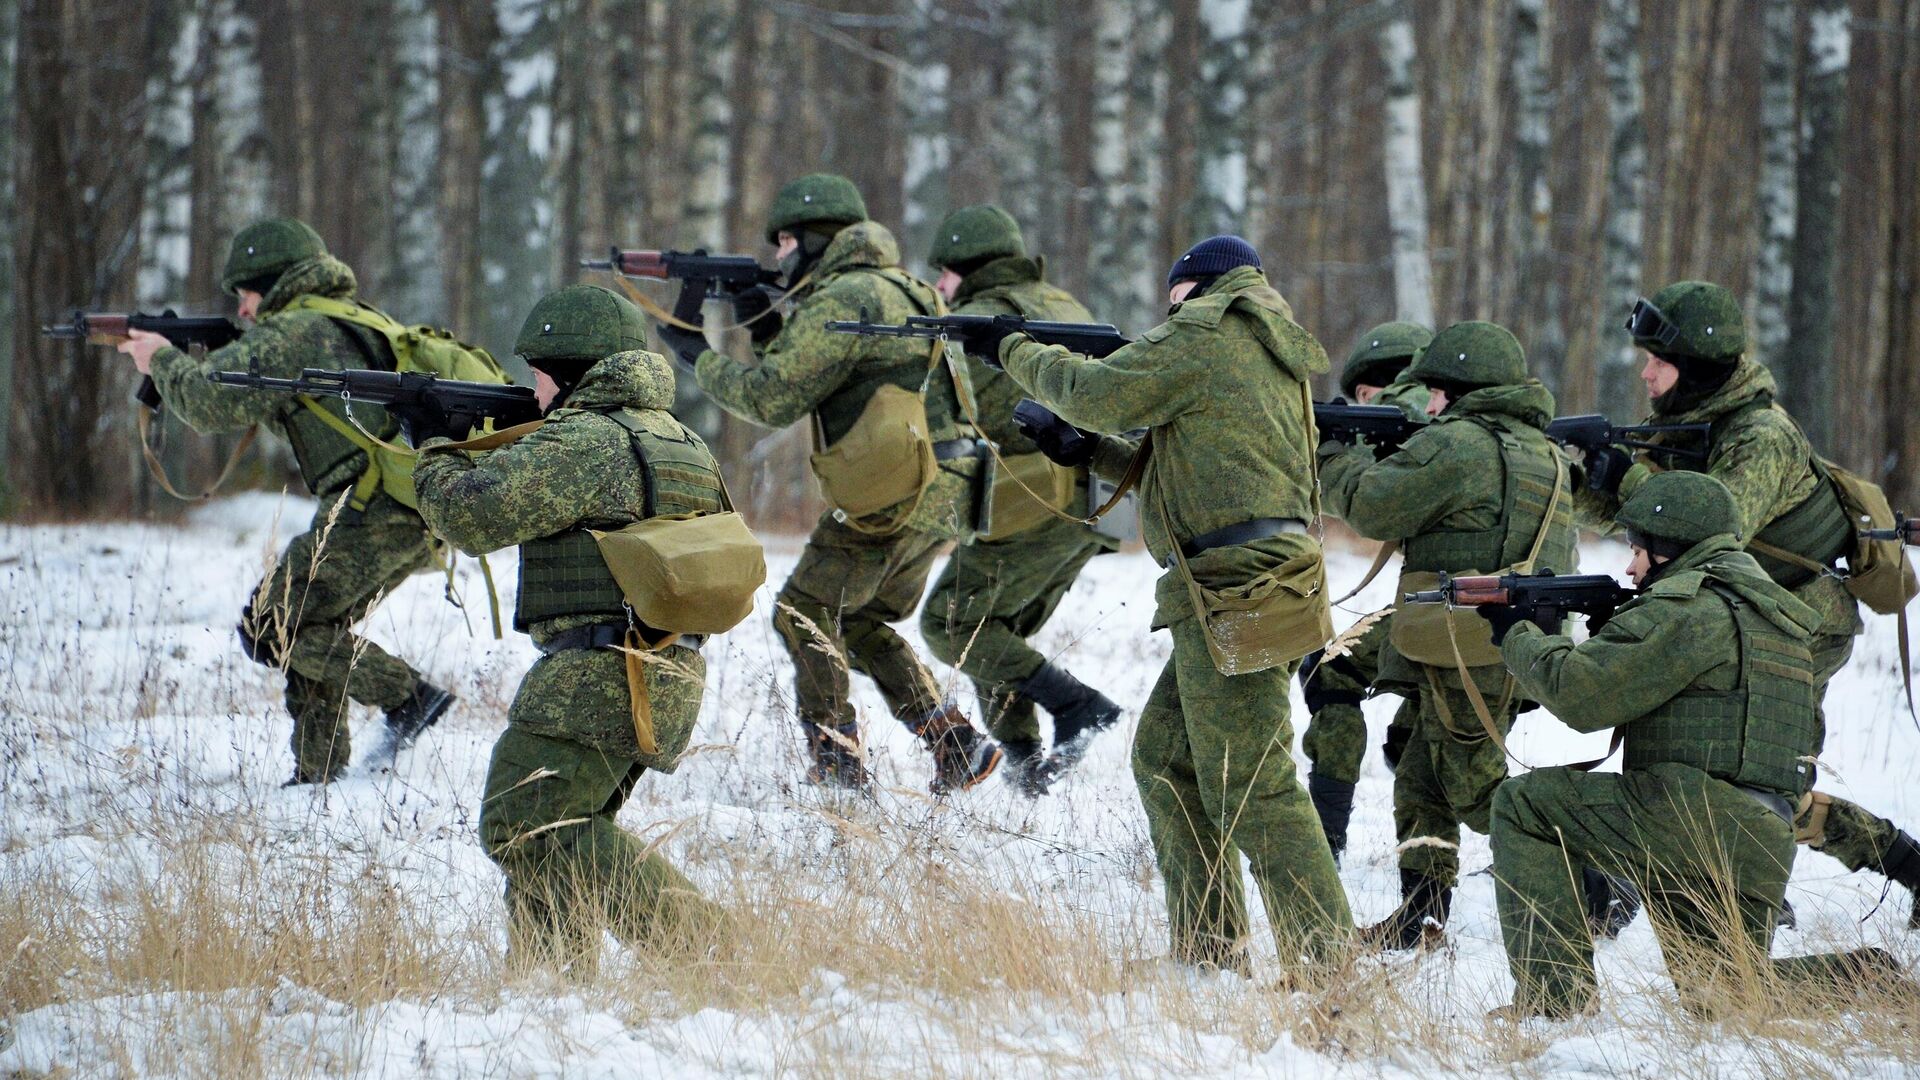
x,y
1022,755
1333,801
837,760
421,710
1420,918
962,757
1612,903
1079,714
1901,864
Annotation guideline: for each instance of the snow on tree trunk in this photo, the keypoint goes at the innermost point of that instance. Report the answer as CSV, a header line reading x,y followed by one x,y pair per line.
x,y
1808,360
1146,111
1619,32
1107,291
1406,178
923,92
1222,138
1775,193
704,214
1538,281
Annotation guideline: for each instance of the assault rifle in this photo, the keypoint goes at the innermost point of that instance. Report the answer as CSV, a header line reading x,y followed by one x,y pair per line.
x,y
1542,598
702,275
1592,431
1382,426
447,404
110,328
1092,339
1903,530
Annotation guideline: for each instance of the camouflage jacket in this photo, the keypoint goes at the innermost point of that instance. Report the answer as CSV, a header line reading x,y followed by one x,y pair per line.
x,y
1015,285
807,368
1766,462
1407,395
1222,386
279,343
1666,640
579,468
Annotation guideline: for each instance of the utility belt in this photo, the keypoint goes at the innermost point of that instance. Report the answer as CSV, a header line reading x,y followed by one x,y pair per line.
x,y
606,635
1781,806
959,448
1244,532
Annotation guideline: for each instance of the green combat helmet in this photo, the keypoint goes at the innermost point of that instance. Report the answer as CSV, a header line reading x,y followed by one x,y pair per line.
x,y
1690,318
1679,507
580,323
267,248
815,197
1382,353
1472,354
975,234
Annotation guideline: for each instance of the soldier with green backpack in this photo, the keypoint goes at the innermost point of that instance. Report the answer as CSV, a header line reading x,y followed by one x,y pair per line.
x,y
999,589
366,537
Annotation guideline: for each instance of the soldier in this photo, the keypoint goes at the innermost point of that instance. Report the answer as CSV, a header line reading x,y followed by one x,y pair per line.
x,y
1227,492
857,574
1479,490
1336,736
361,543
1792,519
994,594
1707,679
609,454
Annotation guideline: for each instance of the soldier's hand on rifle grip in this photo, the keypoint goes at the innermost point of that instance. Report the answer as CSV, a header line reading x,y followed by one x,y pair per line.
x,y
983,343
141,345
1063,443
418,423
685,345
1505,617
1606,466
753,309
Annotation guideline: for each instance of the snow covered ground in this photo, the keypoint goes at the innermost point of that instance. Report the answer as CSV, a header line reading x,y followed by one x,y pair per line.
x,y
131,730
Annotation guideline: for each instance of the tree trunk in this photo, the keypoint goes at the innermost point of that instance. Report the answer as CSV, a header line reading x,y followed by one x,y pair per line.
x,y
466,36
1220,201
1902,377
1147,108
1807,366
1773,263
1114,186
1619,46
1406,179
923,98
1532,203
9,38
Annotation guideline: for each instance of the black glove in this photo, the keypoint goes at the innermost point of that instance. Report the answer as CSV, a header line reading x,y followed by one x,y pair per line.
x,y
983,343
753,309
685,345
1063,443
418,423
1505,617
1605,467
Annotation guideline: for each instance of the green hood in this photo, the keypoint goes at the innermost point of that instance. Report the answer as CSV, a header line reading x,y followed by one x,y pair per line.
x,y
864,243
322,275
1750,382
1529,402
1268,316
1722,559
1011,270
625,380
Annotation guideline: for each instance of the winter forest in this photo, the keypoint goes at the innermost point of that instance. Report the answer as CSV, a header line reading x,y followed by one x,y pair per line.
x,y
1535,162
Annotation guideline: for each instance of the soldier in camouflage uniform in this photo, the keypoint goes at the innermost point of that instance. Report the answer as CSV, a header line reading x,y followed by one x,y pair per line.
x,y
609,454
1708,680
1694,336
360,545
855,577
1220,385
994,594
1469,493
1336,736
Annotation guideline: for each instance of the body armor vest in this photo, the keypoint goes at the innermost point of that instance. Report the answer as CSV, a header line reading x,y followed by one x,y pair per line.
x,y
1754,734
321,452
1526,459
564,574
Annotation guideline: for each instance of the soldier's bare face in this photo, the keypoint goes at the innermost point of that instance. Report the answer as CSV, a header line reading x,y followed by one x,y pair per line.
x,y
249,305
789,244
1638,568
948,285
1366,393
544,389
1659,376
1436,401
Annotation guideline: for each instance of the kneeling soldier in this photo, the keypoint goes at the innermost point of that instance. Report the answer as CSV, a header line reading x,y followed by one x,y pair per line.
x,y
1708,679
609,454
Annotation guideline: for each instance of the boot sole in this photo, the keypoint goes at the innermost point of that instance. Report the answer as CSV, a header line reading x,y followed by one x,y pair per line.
x,y
974,780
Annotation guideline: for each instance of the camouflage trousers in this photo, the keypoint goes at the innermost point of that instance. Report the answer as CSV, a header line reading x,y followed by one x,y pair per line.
x,y
1336,737
990,599
300,618
833,615
556,783
1449,770
1833,826
1711,861
1213,763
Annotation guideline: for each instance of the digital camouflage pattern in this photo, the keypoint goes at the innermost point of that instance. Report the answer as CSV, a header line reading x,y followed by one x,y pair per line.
x,y
973,233
305,608
1447,479
1212,754
1681,834
1335,741
269,247
1764,460
581,322
992,596
1708,318
569,757
1473,353
1381,355
814,198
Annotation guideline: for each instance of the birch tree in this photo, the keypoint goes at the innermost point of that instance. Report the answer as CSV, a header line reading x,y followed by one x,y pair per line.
x,y
1146,165
1025,145
1537,277
9,34
1618,37
465,38
1406,179
1808,360
1114,186
923,91
1773,259
704,213
1221,198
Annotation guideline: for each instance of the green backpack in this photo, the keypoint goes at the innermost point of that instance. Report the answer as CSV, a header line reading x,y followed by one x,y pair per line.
x,y
415,348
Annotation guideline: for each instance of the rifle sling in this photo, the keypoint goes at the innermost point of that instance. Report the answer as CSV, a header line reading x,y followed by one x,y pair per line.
x,y
652,307
143,421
